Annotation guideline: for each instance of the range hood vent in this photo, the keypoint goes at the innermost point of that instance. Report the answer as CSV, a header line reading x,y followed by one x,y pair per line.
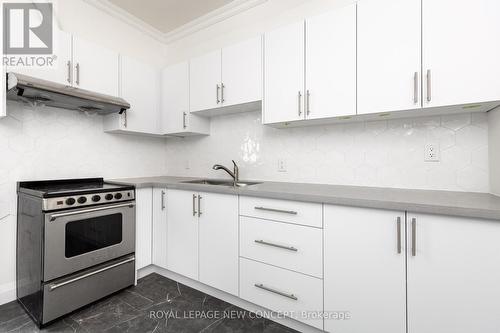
x,y
40,92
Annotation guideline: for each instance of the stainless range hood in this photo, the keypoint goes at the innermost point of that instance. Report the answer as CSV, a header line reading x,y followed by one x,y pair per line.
x,y
40,92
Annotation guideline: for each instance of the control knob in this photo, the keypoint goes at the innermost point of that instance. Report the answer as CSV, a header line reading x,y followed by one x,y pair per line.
x,y
82,200
109,196
70,201
96,198
118,196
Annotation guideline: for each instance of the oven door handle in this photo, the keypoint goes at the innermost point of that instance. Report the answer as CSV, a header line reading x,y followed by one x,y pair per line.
x,y
58,285
53,217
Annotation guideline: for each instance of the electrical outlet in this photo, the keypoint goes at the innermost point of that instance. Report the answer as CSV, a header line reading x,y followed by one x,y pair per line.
x,y
187,165
281,165
431,152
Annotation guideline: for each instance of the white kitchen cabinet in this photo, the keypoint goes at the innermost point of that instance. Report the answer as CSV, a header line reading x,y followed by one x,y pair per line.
x,y
61,71
140,86
389,55
218,241
364,272
331,64
3,78
159,234
143,226
95,68
242,73
176,118
205,81
460,52
182,238
453,274
202,241
284,74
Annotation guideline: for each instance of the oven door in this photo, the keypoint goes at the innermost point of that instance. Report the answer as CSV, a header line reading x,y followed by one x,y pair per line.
x,y
81,238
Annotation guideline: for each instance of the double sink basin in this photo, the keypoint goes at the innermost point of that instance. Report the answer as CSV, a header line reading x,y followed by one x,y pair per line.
x,y
228,183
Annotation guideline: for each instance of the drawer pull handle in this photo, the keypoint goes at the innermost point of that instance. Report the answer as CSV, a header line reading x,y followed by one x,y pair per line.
x,y
274,291
58,285
277,210
290,248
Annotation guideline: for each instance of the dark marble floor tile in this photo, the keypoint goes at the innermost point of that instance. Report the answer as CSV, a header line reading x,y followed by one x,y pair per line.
x,y
156,290
273,327
237,324
134,299
10,311
15,324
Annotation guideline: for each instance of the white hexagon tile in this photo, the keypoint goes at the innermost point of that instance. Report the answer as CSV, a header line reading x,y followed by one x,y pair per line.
x,y
381,153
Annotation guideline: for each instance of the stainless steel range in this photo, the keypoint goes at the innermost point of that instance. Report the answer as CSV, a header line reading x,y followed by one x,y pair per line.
x,y
75,244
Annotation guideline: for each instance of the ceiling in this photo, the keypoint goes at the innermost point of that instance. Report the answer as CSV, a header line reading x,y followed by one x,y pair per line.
x,y
167,15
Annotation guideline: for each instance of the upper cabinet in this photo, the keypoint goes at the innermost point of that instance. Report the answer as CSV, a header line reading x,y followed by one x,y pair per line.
x,y
310,68
460,52
175,116
389,61
227,80
331,64
140,86
95,68
61,71
284,74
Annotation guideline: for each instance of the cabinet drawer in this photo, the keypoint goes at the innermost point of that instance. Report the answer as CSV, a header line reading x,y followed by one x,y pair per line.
x,y
284,245
283,210
296,295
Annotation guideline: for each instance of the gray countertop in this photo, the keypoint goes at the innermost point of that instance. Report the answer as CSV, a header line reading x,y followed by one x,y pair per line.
x,y
475,205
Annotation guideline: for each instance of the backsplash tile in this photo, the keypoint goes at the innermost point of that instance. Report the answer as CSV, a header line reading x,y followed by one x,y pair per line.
x,y
386,153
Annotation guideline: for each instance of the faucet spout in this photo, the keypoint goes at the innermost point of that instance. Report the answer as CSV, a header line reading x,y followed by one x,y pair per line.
x,y
234,174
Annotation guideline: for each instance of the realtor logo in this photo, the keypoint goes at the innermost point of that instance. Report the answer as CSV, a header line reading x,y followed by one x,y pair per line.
x,y
27,28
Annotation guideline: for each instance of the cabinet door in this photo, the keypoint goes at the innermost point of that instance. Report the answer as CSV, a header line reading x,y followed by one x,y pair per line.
x,y
159,246
453,276
182,238
242,72
461,51
364,271
204,81
284,74
331,64
140,86
219,241
389,60
95,67
175,98
143,225
60,72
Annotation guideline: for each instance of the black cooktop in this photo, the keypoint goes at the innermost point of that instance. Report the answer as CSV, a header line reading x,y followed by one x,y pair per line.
x,y
65,187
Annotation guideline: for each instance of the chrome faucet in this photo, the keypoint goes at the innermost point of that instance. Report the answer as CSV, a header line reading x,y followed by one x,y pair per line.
x,y
235,173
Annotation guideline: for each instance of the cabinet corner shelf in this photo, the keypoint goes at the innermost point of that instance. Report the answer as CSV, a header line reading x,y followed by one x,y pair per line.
x,y
230,109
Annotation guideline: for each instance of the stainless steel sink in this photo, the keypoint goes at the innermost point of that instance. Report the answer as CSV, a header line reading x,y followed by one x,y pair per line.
x,y
220,182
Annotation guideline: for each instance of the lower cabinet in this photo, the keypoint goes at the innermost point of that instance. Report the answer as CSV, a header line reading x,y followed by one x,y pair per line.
x,y
202,241
453,274
364,270
159,234
144,202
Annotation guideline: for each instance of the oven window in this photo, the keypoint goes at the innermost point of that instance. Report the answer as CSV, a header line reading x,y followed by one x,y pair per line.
x,y
92,234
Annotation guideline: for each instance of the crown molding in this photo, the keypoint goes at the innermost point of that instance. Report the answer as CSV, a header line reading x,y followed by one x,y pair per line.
x,y
220,14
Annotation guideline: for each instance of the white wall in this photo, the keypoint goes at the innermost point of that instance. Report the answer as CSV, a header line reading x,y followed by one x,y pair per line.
x,y
383,153
494,147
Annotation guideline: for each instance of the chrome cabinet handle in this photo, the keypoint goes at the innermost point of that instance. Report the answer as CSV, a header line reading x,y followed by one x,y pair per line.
x,y
429,88
308,107
300,103
199,205
53,217
415,88
58,285
290,248
292,212
162,200
194,204
78,73
184,115
398,227
125,119
261,286
217,93
222,86
414,237
69,71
